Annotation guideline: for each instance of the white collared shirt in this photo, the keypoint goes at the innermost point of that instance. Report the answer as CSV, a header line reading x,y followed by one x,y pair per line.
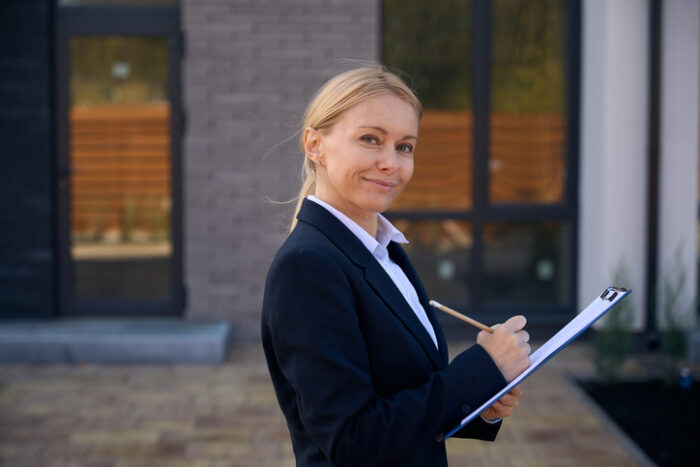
x,y
386,233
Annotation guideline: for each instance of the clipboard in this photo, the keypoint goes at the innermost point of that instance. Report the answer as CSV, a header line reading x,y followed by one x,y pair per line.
x,y
597,308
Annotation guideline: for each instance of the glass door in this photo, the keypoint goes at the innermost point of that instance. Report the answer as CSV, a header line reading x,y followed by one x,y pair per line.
x,y
118,134
119,152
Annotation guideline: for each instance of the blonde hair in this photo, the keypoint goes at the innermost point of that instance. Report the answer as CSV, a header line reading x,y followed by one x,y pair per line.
x,y
334,98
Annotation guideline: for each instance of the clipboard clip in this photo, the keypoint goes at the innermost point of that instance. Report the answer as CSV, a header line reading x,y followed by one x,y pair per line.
x,y
610,293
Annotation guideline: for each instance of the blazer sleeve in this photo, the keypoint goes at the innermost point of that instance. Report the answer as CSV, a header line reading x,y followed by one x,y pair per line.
x,y
320,350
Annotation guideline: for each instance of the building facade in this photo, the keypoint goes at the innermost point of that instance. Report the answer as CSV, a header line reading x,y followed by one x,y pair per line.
x,y
150,147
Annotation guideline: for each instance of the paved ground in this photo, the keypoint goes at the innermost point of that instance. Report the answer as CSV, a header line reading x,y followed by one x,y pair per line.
x,y
226,415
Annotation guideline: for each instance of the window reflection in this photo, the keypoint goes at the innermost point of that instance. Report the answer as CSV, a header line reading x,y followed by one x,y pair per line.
x,y
527,136
431,43
440,251
526,262
521,262
120,163
442,179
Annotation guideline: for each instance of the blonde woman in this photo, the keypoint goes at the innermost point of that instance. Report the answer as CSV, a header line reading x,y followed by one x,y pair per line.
x,y
357,357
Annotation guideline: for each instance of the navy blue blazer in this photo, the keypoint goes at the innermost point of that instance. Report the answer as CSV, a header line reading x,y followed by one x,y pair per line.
x,y
357,376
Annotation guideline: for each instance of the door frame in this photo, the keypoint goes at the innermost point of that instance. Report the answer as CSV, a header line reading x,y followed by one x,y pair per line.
x,y
121,21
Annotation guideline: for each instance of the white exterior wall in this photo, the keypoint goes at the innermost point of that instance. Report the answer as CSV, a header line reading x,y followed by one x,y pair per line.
x,y
614,154
678,181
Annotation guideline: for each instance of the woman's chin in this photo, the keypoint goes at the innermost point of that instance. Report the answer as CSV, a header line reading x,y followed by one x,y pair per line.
x,y
380,205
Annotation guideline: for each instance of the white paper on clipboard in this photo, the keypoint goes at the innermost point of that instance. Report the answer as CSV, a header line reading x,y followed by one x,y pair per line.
x,y
597,308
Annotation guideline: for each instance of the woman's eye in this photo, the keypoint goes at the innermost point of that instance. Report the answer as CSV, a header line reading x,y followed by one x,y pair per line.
x,y
407,148
369,139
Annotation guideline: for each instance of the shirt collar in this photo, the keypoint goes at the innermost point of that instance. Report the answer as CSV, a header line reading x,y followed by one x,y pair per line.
x,y
386,232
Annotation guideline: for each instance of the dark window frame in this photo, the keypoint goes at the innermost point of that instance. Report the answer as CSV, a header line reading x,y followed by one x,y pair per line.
x,y
122,21
483,211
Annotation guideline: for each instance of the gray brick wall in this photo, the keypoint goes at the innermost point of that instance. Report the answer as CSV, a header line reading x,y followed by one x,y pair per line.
x,y
250,68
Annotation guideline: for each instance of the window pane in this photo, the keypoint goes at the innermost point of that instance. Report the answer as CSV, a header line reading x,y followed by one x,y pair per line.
x,y
442,175
528,125
431,43
526,262
120,161
440,252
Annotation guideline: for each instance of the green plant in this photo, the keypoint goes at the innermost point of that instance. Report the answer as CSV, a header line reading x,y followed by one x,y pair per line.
x,y
676,320
159,219
97,220
128,217
613,340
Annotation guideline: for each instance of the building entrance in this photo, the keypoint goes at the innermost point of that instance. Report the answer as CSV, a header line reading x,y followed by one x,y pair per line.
x,y
118,131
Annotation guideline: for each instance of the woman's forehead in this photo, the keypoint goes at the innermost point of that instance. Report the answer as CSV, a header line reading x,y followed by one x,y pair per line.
x,y
385,111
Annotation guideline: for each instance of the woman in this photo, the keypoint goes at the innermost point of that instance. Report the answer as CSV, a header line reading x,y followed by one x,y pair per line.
x,y
357,357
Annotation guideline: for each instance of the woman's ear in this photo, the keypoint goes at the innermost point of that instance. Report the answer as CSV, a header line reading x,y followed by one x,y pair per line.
x,y
312,143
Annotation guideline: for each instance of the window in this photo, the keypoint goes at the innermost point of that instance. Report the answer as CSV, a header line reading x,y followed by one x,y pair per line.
x,y
120,159
491,211
118,140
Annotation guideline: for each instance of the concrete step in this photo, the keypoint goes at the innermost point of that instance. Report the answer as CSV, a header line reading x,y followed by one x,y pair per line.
x,y
102,340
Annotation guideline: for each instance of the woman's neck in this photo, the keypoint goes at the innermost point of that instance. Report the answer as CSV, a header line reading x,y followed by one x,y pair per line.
x,y
365,219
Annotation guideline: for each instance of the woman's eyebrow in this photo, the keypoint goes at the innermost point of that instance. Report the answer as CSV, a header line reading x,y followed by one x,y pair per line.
x,y
383,131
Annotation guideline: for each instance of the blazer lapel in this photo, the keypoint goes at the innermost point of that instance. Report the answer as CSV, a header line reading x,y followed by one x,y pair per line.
x,y
375,275
399,256
380,281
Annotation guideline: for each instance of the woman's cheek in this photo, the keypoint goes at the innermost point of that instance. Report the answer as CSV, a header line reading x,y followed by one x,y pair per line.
x,y
409,172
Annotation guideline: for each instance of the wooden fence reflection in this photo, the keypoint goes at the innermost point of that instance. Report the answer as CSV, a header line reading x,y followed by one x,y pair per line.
x,y
121,162
121,170
527,161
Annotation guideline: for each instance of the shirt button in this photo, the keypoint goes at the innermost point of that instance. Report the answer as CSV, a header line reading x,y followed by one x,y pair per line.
x,y
466,409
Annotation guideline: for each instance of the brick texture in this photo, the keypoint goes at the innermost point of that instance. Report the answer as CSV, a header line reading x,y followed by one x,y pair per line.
x,y
26,138
250,68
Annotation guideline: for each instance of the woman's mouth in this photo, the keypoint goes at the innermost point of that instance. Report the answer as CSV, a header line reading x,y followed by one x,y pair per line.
x,y
381,184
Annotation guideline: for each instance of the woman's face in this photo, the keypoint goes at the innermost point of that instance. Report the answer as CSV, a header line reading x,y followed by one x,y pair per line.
x,y
366,157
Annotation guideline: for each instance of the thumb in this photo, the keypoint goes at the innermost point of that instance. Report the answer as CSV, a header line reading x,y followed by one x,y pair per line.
x,y
484,335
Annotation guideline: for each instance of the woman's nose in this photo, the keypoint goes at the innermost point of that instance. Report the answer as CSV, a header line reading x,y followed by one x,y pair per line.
x,y
388,161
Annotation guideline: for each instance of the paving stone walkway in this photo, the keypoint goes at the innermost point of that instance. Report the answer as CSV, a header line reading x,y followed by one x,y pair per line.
x,y
88,415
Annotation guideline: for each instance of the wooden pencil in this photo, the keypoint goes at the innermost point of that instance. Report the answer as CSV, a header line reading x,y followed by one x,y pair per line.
x,y
459,315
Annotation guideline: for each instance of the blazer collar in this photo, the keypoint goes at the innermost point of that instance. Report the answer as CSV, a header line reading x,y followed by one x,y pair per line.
x,y
378,279
318,216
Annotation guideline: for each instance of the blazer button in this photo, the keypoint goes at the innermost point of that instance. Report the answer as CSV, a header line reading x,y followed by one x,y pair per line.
x,y
439,438
466,409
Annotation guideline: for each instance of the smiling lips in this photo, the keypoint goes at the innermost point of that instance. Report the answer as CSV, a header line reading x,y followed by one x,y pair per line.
x,y
381,184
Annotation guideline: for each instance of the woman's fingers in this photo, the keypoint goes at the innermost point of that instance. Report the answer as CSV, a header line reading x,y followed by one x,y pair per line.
x,y
505,406
508,346
512,398
523,335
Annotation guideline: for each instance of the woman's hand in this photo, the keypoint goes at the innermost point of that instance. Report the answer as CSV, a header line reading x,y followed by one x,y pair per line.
x,y
504,406
508,346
